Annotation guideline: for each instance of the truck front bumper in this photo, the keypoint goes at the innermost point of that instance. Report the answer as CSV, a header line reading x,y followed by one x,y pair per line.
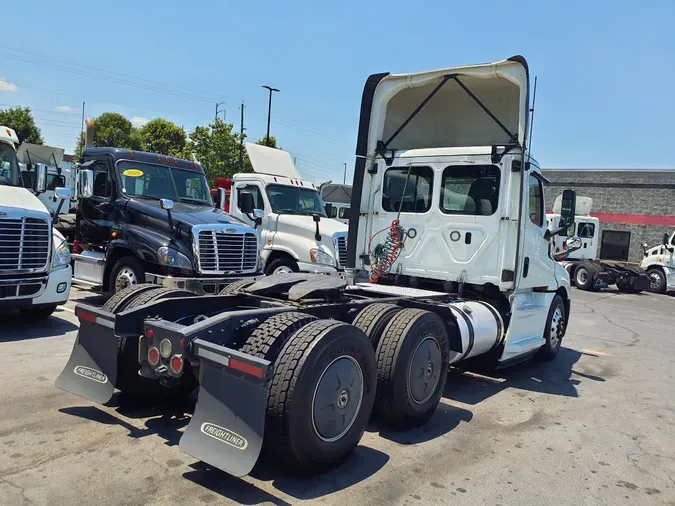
x,y
200,286
51,289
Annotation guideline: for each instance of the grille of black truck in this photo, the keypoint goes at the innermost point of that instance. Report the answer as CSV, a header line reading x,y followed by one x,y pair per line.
x,y
227,250
24,244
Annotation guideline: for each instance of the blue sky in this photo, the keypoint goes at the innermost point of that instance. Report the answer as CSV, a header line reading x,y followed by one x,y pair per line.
x,y
606,70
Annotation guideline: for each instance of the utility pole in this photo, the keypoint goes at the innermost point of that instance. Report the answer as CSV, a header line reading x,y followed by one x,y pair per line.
x,y
241,140
82,119
218,105
269,112
344,178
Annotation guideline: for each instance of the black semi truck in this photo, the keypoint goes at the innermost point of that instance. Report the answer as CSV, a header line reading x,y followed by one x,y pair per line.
x,y
149,217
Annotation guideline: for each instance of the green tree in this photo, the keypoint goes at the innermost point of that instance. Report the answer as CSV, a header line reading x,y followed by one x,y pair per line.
x,y
273,142
163,137
112,130
21,120
216,147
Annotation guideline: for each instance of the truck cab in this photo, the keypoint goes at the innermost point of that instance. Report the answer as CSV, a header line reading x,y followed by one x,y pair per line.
x,y
35,271
586,227
659,262
148,217
296,234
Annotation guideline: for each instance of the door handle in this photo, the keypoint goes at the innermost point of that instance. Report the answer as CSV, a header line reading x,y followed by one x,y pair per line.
x,y
526,266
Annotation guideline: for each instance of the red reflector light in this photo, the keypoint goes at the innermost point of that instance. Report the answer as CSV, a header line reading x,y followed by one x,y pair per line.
x,y
247,368
150,333
176,364
153,356
181,343
87,317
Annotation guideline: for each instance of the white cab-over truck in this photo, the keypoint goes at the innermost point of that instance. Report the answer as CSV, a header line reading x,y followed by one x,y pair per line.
x,y
659,262
296,234
449,238
35,267
586,270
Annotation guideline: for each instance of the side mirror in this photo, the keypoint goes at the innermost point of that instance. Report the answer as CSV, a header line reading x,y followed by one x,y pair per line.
x,y
644,247
329,210
246,203
166,204
40,178
665,239
573,244
259,213
86,183
221,195
63,193
567,209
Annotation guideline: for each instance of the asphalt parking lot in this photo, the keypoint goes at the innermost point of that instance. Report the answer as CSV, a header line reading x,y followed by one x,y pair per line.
x,y
596,426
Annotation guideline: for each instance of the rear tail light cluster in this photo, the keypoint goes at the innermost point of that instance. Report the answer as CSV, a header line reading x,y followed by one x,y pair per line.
x,y
163,353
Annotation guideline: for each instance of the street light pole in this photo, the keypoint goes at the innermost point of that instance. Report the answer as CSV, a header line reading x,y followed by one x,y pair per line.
x,y
344,178
269,112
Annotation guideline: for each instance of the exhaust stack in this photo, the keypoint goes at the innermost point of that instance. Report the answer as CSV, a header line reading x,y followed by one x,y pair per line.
x,y
89,136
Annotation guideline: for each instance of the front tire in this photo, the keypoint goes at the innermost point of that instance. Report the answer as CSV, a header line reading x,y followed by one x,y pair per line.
x,y
657,280
321,395
554,330
583,276
127,272
281,265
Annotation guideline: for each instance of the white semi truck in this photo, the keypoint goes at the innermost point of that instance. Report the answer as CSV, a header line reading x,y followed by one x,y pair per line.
x,y
586,270
448,251
659,262
35,269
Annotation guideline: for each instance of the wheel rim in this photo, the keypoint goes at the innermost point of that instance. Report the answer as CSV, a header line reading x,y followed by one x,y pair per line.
x,y
284,269
337,398
125,278
655,280
582,276
557,327
425,370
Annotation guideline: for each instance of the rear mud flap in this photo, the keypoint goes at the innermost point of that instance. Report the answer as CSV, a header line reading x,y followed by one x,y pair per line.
x,y
227,427
91,371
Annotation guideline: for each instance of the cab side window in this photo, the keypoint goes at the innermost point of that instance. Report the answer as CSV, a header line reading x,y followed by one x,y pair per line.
x,y
253,189
536,201
417,188
586,230
102,183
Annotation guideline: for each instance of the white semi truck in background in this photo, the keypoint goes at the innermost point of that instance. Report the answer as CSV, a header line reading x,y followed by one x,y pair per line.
x,y
448,234
586,270
35,271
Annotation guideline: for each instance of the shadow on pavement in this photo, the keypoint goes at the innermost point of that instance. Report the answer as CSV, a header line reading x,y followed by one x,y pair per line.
x,y
164,419
363,463
556,377
16,327
445,419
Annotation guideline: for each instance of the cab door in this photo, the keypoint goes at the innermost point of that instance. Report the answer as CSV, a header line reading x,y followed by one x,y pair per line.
x,y
255,189
95,215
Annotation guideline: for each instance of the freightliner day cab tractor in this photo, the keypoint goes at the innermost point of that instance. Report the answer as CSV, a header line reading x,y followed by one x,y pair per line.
x,y
659,262
148,217
296,234
586,271
449,237
35,267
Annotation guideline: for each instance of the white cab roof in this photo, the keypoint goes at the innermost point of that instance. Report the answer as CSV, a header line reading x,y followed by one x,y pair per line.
x,y
272,161
35,153
8,135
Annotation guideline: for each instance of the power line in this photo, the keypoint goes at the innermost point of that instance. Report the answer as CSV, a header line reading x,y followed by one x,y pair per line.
x,y
208,95
44,110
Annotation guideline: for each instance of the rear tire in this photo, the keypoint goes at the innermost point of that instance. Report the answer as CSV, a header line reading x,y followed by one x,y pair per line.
x,y
269,338
412,367
129,380
311,425
118,301
373,320
657,280
236,286
38,313
583,276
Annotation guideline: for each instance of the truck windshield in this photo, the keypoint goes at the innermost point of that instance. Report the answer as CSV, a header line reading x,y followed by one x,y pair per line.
x,y
9,166
145,180
295,200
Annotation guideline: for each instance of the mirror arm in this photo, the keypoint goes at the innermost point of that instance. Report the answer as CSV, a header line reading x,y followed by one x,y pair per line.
x,y
55,218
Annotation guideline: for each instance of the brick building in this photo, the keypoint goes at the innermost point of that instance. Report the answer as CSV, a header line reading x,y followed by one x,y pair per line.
x,y
633,206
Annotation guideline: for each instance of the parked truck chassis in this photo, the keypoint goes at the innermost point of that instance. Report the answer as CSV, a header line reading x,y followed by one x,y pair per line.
x,y
297,361
593,275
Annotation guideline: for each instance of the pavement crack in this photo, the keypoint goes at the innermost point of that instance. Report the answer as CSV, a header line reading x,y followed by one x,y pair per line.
x,y
635,337
22,490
